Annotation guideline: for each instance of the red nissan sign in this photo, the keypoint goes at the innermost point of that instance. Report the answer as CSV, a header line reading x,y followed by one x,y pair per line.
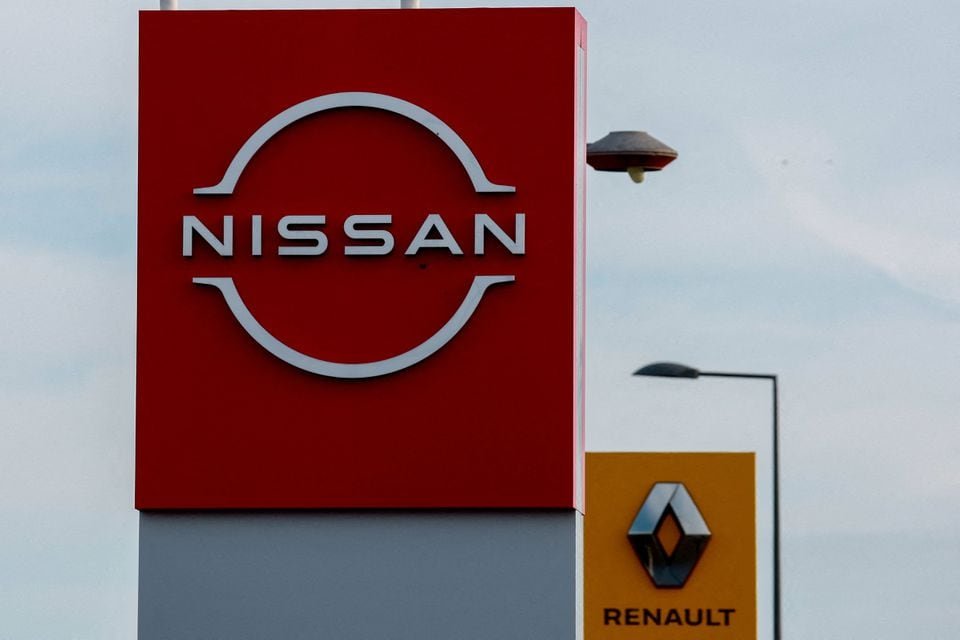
x,y
360,259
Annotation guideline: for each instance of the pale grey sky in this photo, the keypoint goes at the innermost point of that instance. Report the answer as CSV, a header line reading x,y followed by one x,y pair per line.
x,y
810,229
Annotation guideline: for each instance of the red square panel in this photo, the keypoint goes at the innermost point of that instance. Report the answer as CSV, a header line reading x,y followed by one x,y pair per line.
x,y
360,259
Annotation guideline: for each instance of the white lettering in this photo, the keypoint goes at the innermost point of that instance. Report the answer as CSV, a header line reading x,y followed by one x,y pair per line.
x,y
433,222
363,235
287,231
516,245
384,237
256,236
192,224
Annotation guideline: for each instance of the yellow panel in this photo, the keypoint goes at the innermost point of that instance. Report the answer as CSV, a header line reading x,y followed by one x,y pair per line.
x,y
719,598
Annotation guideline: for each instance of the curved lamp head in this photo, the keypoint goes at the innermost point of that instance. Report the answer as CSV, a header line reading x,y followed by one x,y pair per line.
x,y
635,152
668,370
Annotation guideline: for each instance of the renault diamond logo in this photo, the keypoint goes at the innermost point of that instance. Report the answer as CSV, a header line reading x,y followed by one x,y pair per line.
x,y
669,499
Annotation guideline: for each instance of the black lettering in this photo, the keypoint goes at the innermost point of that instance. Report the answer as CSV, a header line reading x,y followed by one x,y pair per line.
x,y
726,616
673,617
655,617
693,623
710,621
611,616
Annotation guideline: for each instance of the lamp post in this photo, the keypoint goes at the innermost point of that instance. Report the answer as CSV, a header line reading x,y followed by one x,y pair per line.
x,y
633,152
675,370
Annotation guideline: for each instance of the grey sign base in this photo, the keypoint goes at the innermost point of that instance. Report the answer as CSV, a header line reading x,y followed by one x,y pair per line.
x,y
381,575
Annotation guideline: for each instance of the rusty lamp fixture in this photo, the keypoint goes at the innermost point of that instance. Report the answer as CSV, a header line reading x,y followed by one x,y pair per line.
x,y
634,152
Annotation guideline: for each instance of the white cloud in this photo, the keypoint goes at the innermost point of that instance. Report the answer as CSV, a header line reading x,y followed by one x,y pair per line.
x,y
67,523
67,380
74,65
63,313
907,229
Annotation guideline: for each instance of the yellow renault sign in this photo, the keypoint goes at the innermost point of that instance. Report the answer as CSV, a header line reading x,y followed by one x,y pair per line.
x,y
670,547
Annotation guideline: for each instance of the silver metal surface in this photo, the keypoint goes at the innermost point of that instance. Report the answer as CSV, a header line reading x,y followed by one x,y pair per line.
x,y
433,224
360,575
256,235
192,224
330,369
665,499
346,100
352,227
288,230
515,245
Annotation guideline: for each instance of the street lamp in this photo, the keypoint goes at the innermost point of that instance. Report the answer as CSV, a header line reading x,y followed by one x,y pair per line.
x,y
635,152
675,370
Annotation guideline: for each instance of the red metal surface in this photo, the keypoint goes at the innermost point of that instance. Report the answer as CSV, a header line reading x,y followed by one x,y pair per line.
x,y
489,420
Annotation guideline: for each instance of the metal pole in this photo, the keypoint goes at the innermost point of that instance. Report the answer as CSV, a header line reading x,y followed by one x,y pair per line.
x,y
168,5
776,487
409,4
776,511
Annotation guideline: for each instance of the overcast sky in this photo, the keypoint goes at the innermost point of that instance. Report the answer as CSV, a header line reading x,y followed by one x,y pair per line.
x,y
810,228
